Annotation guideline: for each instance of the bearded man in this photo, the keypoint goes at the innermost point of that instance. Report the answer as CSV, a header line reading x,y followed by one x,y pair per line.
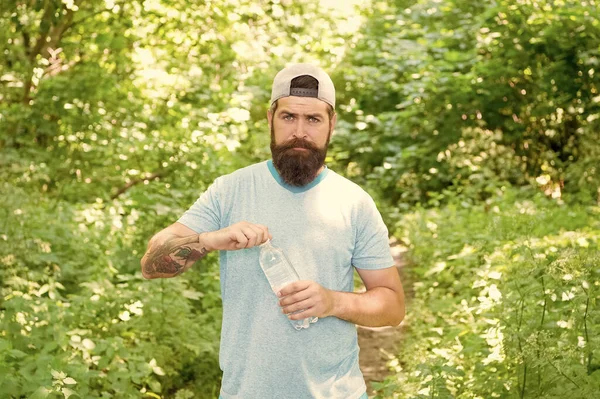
x,y
325,224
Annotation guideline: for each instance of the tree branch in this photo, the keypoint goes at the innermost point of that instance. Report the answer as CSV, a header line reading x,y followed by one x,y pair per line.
x,y
54,33
563,374
82,19
41,40
26,38
33,53
132,183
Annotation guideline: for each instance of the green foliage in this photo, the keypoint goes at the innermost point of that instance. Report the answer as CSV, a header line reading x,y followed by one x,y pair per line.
x,y
468,111
116,115
126,93
74,305
425,75
505,301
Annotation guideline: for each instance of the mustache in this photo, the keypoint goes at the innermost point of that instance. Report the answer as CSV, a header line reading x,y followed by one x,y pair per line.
x,y
297,143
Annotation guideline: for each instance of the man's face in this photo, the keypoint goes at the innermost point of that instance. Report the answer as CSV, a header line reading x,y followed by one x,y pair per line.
x,y
300,133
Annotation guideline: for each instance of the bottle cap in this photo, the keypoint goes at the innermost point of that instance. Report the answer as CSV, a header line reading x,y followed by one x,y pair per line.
x,y
265,243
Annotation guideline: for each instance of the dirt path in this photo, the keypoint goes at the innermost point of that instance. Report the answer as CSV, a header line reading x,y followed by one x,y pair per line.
x,y
378,345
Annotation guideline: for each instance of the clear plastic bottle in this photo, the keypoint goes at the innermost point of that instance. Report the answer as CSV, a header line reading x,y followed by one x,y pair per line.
x,y
280,272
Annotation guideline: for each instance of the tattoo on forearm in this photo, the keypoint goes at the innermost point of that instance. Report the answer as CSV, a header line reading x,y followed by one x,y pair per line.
x,y
171,260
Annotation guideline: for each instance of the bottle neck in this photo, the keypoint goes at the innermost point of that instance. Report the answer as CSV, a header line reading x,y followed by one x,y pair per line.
x,y
266,244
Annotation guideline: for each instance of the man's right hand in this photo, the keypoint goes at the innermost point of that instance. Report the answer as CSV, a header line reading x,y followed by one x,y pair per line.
x,y
237,236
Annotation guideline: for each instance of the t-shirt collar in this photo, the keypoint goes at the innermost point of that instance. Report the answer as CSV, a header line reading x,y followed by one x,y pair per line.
x,y
296,189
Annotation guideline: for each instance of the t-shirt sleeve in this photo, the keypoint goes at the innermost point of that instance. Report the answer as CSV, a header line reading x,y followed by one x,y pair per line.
x,y
372,248
205,214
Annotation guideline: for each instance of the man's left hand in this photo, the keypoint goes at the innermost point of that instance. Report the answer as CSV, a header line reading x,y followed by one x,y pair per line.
x,y
308,296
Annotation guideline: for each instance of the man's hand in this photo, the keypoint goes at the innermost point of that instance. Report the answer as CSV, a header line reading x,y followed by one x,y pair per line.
x,y
237,236
308,296
176,248
381,305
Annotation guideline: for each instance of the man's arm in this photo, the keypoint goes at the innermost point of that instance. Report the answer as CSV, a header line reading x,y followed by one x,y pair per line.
x,y
176,248
172,251
381,305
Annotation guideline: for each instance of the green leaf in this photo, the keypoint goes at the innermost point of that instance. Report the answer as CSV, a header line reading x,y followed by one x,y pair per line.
x,y
40,393
58,375
191,294
17,354
68,392
157,370
155,385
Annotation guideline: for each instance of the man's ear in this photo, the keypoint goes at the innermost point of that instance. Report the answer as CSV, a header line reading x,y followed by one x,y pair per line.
x,y
333,122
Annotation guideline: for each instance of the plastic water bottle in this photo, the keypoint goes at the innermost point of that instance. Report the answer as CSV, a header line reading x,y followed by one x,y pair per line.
x,y
280,272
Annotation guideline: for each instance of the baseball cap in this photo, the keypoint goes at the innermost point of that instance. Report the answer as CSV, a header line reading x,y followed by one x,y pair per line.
x,y
283,81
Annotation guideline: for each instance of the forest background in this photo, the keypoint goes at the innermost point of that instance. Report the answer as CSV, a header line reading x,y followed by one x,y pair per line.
x,y
474,125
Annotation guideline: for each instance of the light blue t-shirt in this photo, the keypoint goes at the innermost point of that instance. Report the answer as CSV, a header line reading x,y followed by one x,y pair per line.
x,y
325,228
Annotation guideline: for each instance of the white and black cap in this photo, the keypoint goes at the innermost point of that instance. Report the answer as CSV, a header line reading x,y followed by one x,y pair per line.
x,y
283,81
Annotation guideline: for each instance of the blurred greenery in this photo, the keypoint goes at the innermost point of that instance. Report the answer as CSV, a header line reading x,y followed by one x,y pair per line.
x,y
474,125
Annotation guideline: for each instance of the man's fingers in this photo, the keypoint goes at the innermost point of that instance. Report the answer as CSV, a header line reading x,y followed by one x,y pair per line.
x,y
243,235
250,235
291,288
255,234
299,305
240,235
241,239
257,237
295,298
266,235
303,314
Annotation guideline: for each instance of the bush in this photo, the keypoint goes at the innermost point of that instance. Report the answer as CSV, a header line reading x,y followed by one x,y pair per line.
x,y
79,319
505,301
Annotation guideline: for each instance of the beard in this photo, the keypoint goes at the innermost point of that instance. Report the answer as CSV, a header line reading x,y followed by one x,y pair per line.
x,y
298,168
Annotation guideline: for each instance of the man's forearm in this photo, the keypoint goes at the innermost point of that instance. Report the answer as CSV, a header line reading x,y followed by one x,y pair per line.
x,y
172,255
380,306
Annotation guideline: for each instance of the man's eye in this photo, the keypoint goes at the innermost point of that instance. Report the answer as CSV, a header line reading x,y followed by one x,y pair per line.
x,y
313,119
288,117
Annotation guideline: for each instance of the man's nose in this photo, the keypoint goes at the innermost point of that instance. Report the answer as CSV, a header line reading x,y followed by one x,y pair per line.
x,y
299,129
